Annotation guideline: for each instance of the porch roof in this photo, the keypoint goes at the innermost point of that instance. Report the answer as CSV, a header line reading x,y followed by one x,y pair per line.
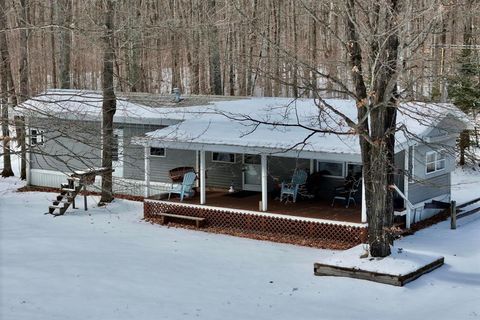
x,y
287,127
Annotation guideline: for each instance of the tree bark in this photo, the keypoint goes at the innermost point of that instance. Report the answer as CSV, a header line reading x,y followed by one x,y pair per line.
x,y
175,52
53,4
5,82
65,21
214,58
464,142
109,102
377,124
24,86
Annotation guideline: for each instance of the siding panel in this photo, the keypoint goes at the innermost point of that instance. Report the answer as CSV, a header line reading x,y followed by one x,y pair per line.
x,y
429,188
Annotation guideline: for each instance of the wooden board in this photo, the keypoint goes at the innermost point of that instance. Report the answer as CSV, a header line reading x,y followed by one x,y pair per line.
x,y
396,280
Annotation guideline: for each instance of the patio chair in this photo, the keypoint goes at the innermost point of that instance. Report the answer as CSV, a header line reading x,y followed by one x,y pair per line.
x,y
347,192
299,178
185,188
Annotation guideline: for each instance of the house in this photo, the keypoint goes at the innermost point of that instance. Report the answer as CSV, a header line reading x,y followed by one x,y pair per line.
x,y
247,145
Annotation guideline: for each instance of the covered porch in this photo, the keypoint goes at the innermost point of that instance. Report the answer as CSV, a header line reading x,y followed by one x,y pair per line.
x,y
229,177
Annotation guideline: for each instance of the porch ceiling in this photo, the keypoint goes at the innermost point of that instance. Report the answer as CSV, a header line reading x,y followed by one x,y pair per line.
x,y
304,154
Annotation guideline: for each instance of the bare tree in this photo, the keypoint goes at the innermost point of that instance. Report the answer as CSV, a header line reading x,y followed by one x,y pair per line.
x,y
373,33
214,56
22,13
109,101
65,20
5,81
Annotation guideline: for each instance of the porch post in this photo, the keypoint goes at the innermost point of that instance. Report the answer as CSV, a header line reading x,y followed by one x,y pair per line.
x,y
147,171
364,202
264,182
197,167
202,177
406,179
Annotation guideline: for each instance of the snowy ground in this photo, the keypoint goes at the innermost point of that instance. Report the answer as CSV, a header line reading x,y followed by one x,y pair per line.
x,y
108,264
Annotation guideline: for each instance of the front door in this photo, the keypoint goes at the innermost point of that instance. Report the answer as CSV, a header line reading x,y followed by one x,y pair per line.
x,y
252,172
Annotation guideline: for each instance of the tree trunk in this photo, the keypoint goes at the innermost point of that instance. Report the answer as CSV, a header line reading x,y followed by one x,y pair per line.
x,y
65,17
53,4
214,58
175,52
109,102
377,123
7,162
464,143
5,82
24,86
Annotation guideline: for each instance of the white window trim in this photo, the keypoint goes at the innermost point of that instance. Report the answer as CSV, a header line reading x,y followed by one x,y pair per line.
x,y
220,161
157,156
436,161
39,134
331,176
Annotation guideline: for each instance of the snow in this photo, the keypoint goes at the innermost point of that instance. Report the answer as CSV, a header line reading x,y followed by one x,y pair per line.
x,y
235,122
283,123
465,184
107,263
400,262
87,105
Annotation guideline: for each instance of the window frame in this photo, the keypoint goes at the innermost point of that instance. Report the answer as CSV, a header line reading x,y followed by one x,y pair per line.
x,y
332,176
221,161
156,155
436,161
39,133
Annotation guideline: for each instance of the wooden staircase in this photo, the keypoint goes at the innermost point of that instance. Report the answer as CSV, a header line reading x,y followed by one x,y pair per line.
x,y
68,192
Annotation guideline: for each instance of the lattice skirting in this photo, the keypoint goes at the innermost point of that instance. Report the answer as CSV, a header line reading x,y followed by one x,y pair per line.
x,y
251,222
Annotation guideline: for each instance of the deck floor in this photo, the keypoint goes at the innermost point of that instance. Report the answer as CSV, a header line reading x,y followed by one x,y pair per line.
x,y
302,208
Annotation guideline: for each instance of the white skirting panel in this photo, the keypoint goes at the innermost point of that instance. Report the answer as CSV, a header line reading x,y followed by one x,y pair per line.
x,y
47,178
53,179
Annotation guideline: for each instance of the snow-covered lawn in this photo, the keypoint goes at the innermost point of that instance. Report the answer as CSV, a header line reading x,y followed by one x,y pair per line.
x,y
465,184
108,264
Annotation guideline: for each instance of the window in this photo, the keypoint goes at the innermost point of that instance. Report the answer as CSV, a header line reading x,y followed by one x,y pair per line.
x,y
354,170
333,169
36,137
223,157
435,161
115,147
157,152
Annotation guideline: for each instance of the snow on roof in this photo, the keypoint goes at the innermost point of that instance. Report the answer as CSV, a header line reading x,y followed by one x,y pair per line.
x,y
131,107
284,123
275,123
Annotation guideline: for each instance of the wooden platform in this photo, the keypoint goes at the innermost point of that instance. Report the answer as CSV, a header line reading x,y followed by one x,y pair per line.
x,y
398,269
309,208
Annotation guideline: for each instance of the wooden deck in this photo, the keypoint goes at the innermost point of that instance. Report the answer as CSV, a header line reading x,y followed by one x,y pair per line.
x,y
302,208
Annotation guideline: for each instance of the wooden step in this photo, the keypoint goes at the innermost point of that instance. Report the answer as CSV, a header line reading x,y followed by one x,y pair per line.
x,y
61,209
57,202
58,206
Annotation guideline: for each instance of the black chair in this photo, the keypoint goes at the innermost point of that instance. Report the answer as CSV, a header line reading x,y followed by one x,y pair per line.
x,y
347,192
